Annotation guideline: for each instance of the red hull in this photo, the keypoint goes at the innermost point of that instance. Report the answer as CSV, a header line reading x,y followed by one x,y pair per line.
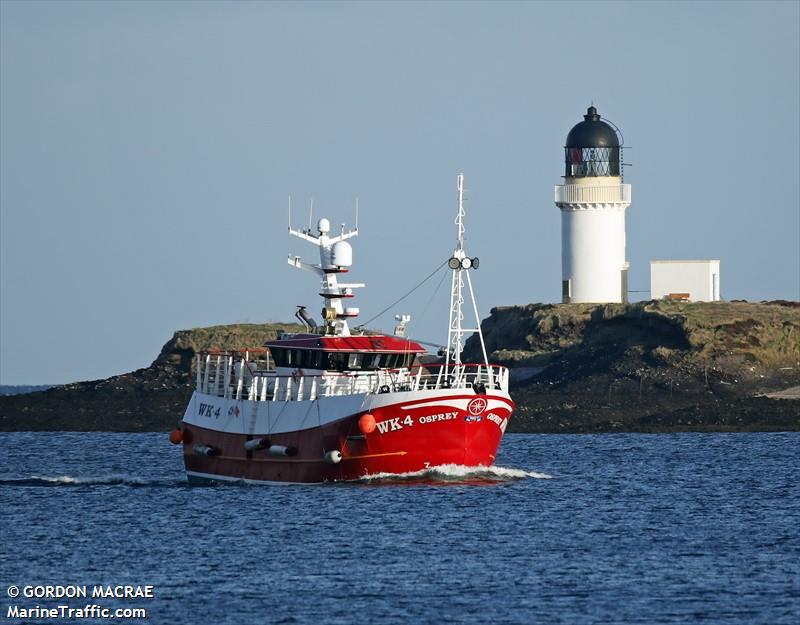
x,y
406,439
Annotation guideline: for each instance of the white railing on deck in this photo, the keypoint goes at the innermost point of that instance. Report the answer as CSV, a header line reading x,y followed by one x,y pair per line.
x,y
590,194
235,376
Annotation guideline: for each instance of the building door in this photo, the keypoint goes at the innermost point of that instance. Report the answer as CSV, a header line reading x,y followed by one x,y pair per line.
x,y
624,286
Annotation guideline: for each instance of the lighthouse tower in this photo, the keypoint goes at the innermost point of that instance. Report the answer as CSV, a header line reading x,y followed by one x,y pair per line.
x,y
593,200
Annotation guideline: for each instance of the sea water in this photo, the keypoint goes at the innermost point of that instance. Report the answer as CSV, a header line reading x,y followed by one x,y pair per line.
x,y
624,528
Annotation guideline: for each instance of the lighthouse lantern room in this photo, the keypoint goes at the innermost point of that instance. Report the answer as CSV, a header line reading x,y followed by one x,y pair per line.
x,y
593,200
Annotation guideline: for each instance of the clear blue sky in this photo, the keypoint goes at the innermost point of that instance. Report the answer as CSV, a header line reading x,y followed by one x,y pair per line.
x,y
148,149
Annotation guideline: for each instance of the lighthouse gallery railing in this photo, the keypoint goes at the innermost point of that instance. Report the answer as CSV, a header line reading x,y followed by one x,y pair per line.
x,y
592,194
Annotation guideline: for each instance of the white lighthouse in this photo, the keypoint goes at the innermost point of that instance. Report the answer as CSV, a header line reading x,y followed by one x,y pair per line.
x,y
593,200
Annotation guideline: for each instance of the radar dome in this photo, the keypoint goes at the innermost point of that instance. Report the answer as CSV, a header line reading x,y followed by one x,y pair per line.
x,y
342,254
324,226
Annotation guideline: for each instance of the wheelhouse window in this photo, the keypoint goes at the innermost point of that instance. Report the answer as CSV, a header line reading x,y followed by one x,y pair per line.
x,y
306,358
359,361
279,356
336,361
312,359
339,361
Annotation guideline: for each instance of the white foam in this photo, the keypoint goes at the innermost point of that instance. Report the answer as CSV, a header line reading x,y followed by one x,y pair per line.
x,y
69,480
459,473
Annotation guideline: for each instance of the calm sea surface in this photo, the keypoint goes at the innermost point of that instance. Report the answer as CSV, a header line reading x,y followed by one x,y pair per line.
x,y
627,528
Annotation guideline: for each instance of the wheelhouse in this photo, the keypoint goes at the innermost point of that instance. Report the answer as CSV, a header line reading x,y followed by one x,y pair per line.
x,y
343,354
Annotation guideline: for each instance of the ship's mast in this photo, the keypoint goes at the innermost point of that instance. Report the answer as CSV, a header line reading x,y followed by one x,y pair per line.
x,y
460,262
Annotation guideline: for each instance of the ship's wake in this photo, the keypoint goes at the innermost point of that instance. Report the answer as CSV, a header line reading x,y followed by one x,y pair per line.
x,y
443,474
455,474
68,480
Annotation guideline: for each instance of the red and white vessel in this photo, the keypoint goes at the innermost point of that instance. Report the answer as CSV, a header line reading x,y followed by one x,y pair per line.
x,y
330,405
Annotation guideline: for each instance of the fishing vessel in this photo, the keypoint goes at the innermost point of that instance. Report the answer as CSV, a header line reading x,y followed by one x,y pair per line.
x,y
331,404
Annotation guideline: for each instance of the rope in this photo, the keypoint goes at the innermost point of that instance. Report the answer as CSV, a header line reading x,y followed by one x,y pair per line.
x,y
430,275
435,293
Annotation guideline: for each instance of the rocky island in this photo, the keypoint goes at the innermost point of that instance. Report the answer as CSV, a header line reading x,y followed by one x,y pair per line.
x,y
647,367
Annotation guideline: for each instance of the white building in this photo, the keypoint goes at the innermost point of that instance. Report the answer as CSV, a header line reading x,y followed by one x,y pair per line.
x,y
593,200
693,280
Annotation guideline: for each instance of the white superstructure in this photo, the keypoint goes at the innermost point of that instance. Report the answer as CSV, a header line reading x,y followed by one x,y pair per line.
x,y
335,256
693,280
593,200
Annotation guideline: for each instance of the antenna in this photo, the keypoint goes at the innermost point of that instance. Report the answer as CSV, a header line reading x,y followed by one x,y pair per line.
x,y
400,328
290,213
356,212
311,214
333,259
461,213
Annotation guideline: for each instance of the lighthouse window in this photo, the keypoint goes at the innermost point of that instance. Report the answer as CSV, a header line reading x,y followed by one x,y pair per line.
x,y
592,161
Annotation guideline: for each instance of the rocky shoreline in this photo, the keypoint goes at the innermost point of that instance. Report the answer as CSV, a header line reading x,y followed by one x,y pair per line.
x,y
576,368
650,366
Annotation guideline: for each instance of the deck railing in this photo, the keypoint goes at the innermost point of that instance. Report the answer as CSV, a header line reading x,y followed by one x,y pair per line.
x,y
250,375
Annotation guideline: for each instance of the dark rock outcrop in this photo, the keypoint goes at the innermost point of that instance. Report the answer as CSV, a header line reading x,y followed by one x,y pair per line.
x,y
648,366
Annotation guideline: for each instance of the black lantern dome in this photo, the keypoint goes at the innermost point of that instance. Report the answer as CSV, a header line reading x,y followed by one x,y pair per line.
x,y
592,148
